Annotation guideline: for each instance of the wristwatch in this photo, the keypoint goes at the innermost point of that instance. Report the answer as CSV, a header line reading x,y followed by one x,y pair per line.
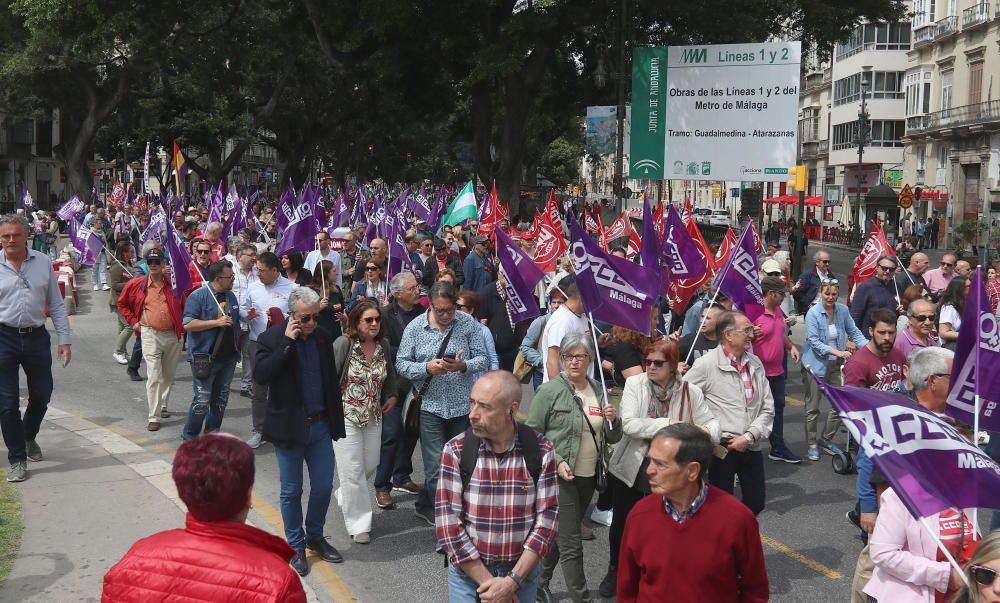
x,y
750,438
518,579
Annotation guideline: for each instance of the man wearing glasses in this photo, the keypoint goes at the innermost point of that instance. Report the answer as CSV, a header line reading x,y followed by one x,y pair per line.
x,y
200,261
920,332
737,392
352,255
806,290
212,320
444,412
876,293
244,275
27,283
148,304
938,278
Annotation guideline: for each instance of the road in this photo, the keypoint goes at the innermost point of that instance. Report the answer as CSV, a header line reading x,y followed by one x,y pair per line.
x,y
810,548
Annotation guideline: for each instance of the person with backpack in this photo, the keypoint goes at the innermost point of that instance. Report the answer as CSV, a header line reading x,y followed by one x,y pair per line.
x,y
497,499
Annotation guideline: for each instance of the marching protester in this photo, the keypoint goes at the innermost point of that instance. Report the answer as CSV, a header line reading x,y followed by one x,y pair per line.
x,y
372,286
478,268
494,314
806,290
304,414
695,345
950,308
118,275
919,331
913,273
332,314
351,256
323,252
27,286
770,345
876,293
244,275
293,269
442,260
981,573
531,345
937,279
569,318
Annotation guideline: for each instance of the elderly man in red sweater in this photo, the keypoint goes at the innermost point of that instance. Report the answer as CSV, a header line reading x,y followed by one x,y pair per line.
x,y
689,541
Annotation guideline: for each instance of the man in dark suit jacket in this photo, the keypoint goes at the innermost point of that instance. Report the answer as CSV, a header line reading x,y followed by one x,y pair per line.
x,y
304,414
432,265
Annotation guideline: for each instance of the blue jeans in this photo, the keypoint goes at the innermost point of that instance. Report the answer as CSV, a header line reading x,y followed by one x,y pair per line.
x,y
33,353
777,437
318,456
434,434
136,358
396,456
462,588
210,398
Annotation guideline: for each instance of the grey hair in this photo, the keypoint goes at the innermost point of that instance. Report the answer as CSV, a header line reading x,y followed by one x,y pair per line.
x,y
302,296
572,341
17,220
397,283
233,243
781,257
213,227
817,254
925,362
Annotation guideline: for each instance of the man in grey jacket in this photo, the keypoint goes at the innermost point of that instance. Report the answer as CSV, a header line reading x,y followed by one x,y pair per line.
x,y
737,393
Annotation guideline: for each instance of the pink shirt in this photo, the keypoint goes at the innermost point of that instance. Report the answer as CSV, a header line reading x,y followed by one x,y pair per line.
x,y
936,280
770,345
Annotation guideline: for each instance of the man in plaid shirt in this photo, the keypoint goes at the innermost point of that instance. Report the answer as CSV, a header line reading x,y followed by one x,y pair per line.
x,y
496,529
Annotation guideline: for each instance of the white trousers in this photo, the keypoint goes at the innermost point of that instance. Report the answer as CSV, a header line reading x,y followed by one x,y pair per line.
x,y
161,350
357,458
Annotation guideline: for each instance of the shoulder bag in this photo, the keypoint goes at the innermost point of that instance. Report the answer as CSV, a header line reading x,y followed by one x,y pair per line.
x,y
411,407
601,469
523,369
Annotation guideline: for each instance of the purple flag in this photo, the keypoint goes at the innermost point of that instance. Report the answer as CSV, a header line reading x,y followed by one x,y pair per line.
x,y
87,244
285,211
437,213
26,199
521,274
154,229
930,465
678,252
95,198
236,219
739,279
419,206
340,210
649,252
180,259
613,289
977,362
300,234
399,258
215,211
70,208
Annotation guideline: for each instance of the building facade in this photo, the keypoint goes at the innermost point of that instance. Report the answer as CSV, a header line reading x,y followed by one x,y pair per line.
x,y
952,142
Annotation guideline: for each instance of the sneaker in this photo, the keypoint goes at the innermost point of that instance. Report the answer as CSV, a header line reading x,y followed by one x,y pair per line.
x,y
18,472
786,456
256,438
609,585
33,450
362,538
424,514
106,288
602,517
97,287
813,453
829,447
120,358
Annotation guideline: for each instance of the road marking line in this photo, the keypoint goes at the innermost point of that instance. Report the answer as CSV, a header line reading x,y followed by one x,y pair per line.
x,y
794,401
815,565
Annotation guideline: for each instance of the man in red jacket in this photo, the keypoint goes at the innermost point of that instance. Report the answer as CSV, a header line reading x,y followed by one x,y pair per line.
x,y
689,541
217,556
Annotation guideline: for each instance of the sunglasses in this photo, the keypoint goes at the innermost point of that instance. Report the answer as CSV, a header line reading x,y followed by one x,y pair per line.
x,y
307,318
822,261
983,575
886,268
153,262
829,281
922,317
203,251
371,268
650,362
371,320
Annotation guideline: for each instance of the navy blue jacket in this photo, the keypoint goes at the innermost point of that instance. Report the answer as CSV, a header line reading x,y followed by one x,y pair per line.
x,y
479,272
870,296
808,289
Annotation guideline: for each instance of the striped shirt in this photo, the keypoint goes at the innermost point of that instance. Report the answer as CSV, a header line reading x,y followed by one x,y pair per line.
x,y
502,512
742,367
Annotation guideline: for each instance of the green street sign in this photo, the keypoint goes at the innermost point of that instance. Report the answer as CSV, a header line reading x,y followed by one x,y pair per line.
x,y
649,103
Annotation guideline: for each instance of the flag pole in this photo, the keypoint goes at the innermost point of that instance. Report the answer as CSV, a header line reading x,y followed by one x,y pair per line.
x,y
322,273
597,352
943,549
701,324
209,286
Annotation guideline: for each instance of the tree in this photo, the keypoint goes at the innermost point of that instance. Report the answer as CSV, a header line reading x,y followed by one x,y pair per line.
x,y
560,163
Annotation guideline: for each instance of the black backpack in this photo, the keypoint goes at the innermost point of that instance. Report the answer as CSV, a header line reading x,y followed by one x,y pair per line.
x,y
529,447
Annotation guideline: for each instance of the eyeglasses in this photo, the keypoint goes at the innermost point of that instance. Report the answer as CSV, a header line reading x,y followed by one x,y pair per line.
x,y
203,251
443,311
371,268
886,268
650,362
922,317
829,281
941,375
307,318
983,575
576,357
822,261
746,331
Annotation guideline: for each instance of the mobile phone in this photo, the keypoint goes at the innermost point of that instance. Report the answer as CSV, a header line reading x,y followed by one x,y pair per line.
x,y
449,356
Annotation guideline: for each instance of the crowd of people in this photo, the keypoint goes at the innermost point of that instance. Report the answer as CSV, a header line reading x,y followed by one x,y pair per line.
x,y
348,370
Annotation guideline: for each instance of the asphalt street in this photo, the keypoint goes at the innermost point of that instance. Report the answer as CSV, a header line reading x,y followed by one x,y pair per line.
x,y
810,547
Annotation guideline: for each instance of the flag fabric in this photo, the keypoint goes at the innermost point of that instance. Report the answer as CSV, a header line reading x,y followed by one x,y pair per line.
x,y
866,263
634,244
589,222
650,244
399,258
521,275
216,206
688,215
977,362
27,201
602,237
739,279
550,243
88,245
491,214
725,249
145,170
180,259
70,208
155,227
285,210
300,233
340,210
612,289
420,206
437,212
679,253
930,465
758,244
117,195
181,168
463,207
618,229
658,219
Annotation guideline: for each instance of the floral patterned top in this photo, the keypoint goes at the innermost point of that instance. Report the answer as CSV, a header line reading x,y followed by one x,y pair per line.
x,y
362,390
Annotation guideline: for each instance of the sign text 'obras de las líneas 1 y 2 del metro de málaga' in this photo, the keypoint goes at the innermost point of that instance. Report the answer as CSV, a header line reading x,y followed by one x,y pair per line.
x,y
721,112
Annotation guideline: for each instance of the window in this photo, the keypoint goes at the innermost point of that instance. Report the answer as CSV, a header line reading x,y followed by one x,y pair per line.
x,y
884,133
886,85
921,158
923,12
869,36
975,83
946,80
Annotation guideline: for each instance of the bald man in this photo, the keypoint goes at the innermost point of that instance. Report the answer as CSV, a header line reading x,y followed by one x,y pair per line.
x,y
913,274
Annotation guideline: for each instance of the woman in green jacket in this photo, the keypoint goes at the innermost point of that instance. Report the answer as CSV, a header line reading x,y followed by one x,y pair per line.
x,y
573,413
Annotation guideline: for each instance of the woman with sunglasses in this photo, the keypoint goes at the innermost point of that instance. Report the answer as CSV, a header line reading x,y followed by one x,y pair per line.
x,y
373,285
331,299
950,308
368,390
571,411
651,400
984,584
831,338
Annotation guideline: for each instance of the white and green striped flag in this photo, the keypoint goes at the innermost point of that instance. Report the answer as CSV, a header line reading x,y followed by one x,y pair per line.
x,y
463,207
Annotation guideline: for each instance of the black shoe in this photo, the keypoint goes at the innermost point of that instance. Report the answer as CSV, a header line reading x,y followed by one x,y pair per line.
x,y
135,376
299,563
853,517
424,514
609,585
325,550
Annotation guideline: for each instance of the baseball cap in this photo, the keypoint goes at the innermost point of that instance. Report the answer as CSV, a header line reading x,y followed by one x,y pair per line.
x,y
482,240
770,266
154,254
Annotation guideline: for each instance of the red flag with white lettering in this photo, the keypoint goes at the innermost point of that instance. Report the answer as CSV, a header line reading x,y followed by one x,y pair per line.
x,y
551,243
725,249
619,228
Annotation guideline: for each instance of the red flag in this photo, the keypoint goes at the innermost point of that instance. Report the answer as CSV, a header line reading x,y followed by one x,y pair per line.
x,y
758,245
552,210
687,216
493,214
619,228
602,237
725,249
681,290
634,245
551,243
589,223
658,219
865,265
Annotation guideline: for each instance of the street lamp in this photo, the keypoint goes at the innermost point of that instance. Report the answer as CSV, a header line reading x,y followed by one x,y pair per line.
x,y
862,135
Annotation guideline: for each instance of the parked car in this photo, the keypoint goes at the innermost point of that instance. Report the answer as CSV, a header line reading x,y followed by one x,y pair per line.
x,y
701,214
719,217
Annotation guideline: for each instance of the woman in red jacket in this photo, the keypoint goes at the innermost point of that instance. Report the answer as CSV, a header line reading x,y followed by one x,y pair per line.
x,y
217,556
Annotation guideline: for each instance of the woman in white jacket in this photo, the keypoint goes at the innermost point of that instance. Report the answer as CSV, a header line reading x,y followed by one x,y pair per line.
x,y
650,401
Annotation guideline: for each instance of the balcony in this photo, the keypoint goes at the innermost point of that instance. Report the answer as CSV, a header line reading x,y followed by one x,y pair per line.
x,y
945,27
968,115
815,149
924,35
975,16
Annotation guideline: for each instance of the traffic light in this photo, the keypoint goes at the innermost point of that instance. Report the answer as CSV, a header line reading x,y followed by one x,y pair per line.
x,y
799,178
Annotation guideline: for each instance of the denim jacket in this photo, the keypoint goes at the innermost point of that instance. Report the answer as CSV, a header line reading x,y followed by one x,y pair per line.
x,y
817,350
201,305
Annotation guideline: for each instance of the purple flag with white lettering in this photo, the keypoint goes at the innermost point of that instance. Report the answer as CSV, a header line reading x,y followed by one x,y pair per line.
x,y
399,258
437,213
613,289
87,244
155,227
236,219
70,208
521,275
977,362
27,201
739,279
930,465
419,205
284,211
300,234
180,259
678,251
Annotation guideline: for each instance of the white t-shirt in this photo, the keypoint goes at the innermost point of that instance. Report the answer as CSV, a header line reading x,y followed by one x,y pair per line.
x,y
562,323
951,316
315,256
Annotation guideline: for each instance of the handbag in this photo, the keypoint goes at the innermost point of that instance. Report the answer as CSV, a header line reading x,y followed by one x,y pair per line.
x,y
523,369
415,399
641,482
600,469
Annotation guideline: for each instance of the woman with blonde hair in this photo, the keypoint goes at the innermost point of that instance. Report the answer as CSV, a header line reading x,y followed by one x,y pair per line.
x,y
981,572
